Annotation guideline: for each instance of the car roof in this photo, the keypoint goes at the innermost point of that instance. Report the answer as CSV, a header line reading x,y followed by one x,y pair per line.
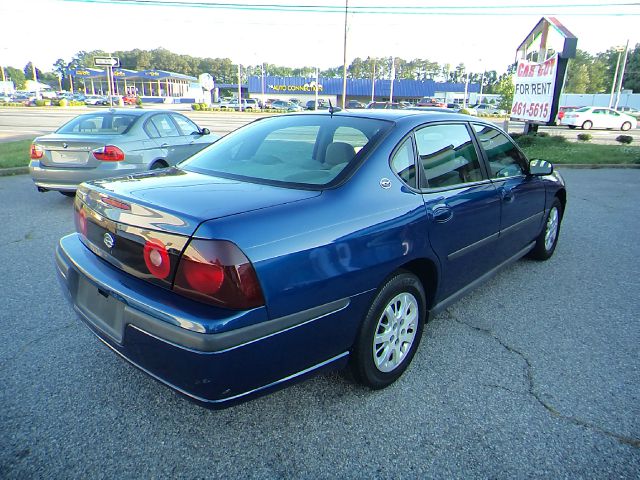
x,y
138,112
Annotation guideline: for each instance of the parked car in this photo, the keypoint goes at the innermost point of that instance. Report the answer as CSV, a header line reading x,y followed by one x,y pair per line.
x,y
355,104
598,117
384,105
634,112
488,109
285,105
96,100
303,243
431,102
130,99
252,104
322,105
113,142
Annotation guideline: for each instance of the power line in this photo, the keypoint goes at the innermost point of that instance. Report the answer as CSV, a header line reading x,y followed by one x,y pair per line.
x,y
386,10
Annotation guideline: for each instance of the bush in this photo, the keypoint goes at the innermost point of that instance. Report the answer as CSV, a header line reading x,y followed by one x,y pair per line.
x,y
138,102
526,140
626,139
63,102
464,111
40,102
542,134
585,137
195,106
557,139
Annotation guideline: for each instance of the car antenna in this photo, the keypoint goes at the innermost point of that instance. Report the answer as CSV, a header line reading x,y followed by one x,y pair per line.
x,y
330,108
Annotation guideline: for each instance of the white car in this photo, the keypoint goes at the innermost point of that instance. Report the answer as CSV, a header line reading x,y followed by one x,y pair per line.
x,y
598,117
96,100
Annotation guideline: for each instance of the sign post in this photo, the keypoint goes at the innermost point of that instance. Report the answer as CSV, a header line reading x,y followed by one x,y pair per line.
x,y
109,63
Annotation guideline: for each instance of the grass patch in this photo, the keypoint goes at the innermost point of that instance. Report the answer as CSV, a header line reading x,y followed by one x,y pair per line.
x,y
14,154
559,152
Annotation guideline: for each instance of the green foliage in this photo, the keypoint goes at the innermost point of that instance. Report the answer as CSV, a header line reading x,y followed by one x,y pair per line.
x,y
625,139
506,89
584,137
17,76
464,111
563,151
195,106
525,140
63,103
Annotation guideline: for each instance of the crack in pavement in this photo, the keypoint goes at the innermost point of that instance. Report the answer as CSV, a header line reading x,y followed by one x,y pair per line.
x,y
50,334
634,442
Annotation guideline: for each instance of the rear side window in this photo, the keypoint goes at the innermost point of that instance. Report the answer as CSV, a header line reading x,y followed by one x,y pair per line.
x,y
403,163
447,155
99,124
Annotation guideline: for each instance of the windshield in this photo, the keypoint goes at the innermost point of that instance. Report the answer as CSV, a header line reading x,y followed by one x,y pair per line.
x,y
312,150
106,123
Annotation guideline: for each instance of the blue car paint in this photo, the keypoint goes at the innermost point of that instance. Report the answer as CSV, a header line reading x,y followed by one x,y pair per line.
x,y
307,250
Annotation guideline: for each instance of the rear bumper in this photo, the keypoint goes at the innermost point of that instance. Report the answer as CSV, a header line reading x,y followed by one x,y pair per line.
x,y
68,179
186,347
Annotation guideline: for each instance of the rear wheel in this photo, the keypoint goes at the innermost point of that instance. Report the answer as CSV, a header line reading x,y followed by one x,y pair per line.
x,y
390,333
587,125
625,126
548,238
159,164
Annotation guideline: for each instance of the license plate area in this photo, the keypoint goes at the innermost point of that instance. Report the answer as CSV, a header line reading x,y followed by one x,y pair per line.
x,y
69,158
104,311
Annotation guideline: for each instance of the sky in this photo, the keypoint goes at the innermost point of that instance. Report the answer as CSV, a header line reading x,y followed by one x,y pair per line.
x,y
482,34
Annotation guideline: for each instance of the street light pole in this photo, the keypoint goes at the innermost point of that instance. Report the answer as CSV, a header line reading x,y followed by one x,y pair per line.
x,y
344,62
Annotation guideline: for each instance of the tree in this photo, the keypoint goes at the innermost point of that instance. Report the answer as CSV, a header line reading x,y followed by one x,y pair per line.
x,y
28,71
506,89
16,76
631,79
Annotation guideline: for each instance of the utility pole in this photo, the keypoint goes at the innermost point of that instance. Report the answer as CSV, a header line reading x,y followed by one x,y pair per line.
x,y
393,77
239,87
624,63
373,81
615,77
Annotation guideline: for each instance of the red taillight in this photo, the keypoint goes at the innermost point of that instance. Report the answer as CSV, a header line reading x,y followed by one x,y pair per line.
x,y
157,259
217,272
36,152
109,153
81,221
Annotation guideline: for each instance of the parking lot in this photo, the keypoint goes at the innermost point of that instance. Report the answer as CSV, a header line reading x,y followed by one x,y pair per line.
x,y
535,374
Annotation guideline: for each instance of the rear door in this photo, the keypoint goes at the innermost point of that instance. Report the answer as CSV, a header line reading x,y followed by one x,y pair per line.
x,y
522,196
463,206
170,141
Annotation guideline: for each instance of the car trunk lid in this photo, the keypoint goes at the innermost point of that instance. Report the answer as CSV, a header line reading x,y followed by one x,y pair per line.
x,y
72,151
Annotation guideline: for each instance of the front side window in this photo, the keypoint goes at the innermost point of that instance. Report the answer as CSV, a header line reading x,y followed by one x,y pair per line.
x,y
186,125
447,155
164,125
505,160
312,150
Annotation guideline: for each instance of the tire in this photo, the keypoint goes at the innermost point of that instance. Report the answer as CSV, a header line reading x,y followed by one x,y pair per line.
x,y
572,127
158,164
587,125
625,126
548,238
390,333
69,194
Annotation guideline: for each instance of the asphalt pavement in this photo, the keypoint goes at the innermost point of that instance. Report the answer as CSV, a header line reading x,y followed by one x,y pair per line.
x,y
535,374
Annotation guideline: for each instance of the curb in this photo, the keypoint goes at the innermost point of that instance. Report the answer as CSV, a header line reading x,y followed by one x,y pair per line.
x,y
588,166
5,172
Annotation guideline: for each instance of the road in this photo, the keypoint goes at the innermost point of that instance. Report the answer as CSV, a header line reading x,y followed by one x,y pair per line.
x,y
533,375
22,123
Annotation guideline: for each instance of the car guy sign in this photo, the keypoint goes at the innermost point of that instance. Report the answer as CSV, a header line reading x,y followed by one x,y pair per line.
x,y
534,89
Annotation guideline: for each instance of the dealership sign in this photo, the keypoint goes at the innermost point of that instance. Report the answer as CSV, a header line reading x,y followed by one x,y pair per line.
x,y
534,89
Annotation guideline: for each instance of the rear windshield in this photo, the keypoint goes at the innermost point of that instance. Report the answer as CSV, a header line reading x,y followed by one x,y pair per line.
x,y
313,150
104,123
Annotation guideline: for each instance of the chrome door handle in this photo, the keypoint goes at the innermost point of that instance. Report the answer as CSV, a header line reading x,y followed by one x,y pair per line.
x,y
442,213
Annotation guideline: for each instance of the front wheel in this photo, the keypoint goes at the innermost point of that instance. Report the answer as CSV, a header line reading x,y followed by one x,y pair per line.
x,y
548,238
625,126
390,333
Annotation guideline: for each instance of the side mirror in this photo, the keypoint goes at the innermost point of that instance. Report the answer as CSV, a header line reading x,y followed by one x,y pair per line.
x,y
204,131
540,168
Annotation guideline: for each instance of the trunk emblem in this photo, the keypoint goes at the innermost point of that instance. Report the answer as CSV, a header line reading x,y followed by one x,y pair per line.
x,y
108,240
385,183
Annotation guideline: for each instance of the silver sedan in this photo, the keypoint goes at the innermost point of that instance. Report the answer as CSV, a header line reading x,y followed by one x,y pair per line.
x,y
111,143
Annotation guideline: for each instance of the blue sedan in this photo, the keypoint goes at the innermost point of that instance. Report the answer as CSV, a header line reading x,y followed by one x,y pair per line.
x,y
303,243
